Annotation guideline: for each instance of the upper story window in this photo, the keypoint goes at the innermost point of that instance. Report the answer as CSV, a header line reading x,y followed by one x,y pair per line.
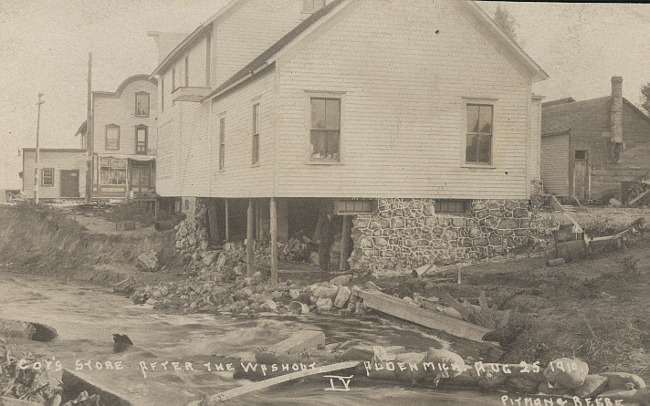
x,y
309,6
580,155
112,137
222,142
325,131
478,148
187,71
141,139
47,178
162,94
256,134
142,104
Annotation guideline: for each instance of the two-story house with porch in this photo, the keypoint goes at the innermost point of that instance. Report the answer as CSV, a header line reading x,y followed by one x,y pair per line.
x,y
413,121
125,140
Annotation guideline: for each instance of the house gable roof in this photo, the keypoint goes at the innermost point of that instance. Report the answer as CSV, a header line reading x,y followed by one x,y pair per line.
x,y
183,45
264,58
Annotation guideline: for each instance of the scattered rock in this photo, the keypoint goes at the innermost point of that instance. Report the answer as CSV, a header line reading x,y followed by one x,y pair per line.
x,y
594,384
210,257
325,291
453,361
324,304
522,385
623,380
147,262
556,390
271,305
29,330
294,293
630,397
358,353
568,372
341,280
614,202
491,377
342,297
370,285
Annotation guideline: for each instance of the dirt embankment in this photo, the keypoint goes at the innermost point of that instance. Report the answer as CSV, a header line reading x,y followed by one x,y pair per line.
x,y
53,242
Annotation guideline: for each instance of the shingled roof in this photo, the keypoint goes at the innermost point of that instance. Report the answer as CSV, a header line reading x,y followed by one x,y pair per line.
x,y
557,118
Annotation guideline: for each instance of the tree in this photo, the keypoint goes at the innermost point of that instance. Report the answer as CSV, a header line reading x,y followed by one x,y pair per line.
x,y
505,21
645,97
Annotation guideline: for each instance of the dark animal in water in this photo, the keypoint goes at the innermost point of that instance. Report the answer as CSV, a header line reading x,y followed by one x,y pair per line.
x,y
121,342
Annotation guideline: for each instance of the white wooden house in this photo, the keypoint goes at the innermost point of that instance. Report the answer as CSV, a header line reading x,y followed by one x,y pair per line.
x,y
62,173
409,104
124,140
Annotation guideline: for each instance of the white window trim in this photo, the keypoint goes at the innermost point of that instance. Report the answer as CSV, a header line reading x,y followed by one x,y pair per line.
x,y
309,94
254,101
493,145
221,116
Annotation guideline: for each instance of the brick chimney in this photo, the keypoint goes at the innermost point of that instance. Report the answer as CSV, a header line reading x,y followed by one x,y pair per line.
x,y
616,118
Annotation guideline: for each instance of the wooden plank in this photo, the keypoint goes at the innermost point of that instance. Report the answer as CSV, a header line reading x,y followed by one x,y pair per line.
x,y
274,241
229,394
639,197
250,240
395,307
300,342
345,237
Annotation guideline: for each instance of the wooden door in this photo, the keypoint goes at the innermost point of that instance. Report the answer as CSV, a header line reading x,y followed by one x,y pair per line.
x,y
140,178
581,179
69,183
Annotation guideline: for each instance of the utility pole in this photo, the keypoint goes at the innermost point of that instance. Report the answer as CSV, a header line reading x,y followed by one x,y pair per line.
x,y
89,132
37,172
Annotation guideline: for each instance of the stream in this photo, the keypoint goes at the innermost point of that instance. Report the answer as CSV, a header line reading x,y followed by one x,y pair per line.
x,y
86,316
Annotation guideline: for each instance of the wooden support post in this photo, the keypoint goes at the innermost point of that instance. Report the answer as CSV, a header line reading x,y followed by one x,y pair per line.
x,y
274,241
250,239
345,237
227,222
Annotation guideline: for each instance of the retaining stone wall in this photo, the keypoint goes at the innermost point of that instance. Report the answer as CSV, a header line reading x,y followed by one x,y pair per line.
x,y
407,233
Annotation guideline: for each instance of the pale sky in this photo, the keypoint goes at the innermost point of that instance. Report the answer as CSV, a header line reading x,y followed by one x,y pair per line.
x,y
44,47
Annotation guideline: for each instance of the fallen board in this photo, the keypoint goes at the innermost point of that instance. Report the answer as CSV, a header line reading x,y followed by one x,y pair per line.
x,y
300,342
437,321
229,394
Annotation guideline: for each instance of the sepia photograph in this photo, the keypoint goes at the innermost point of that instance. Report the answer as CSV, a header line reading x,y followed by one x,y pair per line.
x,y
324,202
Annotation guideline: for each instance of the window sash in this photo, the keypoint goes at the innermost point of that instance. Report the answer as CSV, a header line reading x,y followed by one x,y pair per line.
x,y
47,177
141,140
222,142
112,137
325,131
142,100
256,134
479,131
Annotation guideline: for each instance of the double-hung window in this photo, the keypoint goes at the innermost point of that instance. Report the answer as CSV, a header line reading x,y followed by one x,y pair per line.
x,y
47,177
222,142
112,137
141,139
478,147
325,131
142,104
256,134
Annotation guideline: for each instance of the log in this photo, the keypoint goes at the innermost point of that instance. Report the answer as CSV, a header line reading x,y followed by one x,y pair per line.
x,y
434,320
417,272
229,394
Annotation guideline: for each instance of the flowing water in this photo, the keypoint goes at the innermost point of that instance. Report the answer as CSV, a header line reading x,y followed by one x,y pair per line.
x,y
86,316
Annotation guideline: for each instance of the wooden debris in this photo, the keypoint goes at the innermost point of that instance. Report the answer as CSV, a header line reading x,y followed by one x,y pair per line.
x,y
300,342
229,394
638,198
417,272
486,316
434,320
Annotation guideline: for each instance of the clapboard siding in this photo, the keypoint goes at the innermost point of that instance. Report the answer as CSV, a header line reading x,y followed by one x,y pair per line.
x,y
119,109
57,160
403,111
555,164
250,30
240,178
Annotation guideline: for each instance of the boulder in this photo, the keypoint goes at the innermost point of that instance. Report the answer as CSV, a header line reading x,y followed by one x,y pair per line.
x,y
594,385
148,261
210,257
29,330
522,385
527,371
386,353
409,366
294,293
623,380
491,377
555,390
568,372
341,280
357,353
324,304
446,358
342,297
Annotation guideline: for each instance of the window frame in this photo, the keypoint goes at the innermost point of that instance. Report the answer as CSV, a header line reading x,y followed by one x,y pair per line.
x,y
255,130
146,139
480,101
111,169
340,96
586,154
143,93
119,130
439,203
43,177
222,142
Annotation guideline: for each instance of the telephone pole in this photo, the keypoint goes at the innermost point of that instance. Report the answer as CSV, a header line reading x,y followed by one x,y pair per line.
x,y
89,133
37,172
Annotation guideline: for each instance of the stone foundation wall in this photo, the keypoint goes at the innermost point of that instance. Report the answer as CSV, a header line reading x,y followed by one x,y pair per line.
x,y
407,233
